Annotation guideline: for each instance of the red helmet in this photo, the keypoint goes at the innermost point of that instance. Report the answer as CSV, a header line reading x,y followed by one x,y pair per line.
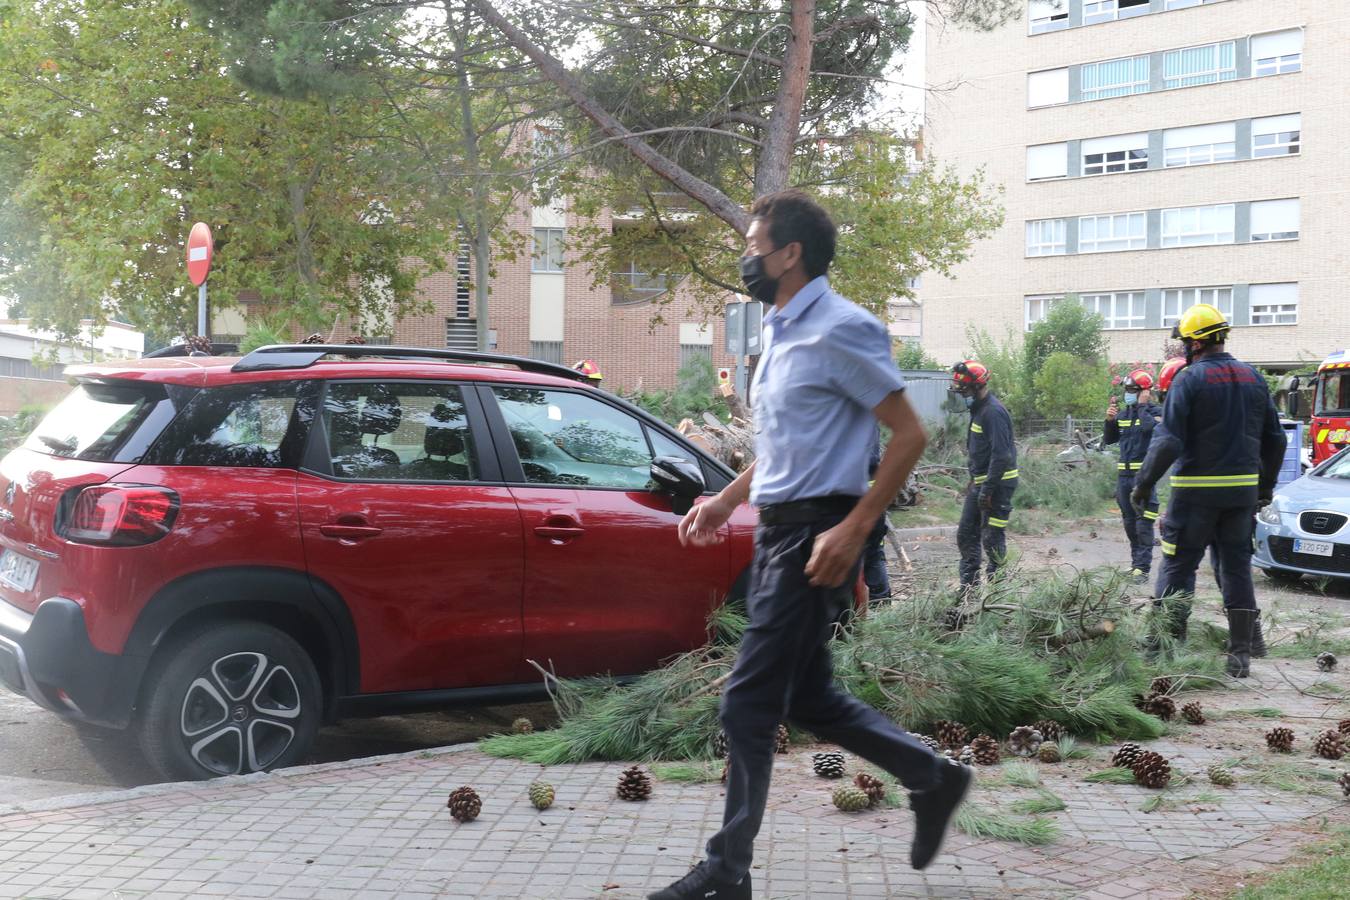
x,y
969,374
1139,378
1169,372
588,368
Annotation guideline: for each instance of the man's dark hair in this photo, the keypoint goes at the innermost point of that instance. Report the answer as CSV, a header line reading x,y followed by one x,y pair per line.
x,y
794,216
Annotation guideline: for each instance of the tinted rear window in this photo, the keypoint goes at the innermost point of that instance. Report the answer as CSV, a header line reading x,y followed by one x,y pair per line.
x,y
93,420
250,425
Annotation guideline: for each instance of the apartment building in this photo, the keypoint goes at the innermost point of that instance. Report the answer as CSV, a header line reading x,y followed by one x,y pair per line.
x,y
1155,154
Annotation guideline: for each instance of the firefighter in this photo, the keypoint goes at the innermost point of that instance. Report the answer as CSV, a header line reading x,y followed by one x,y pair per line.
x,y
588,368
1221,429
992,461
1133,430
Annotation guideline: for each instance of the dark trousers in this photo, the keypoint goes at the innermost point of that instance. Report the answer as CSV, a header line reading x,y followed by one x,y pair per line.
x,y
783,672
1139,529
874,562
1188,531
984,528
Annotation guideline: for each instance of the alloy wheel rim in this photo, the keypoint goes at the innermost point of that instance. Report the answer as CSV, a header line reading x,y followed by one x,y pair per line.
x,y
238,714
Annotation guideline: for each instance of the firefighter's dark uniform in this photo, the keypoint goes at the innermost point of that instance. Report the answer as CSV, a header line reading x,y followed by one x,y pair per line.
x,y
992,461
1221,429
1133,429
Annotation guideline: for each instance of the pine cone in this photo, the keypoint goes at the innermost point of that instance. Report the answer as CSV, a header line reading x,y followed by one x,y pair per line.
x,y
1160,705
1160,685
719,745
314,338
985,750
1124,757
1343,726
1194,713
783,740
1025,741
1281,740
198,344
954,618
951,734
1152,770
829,764
464,804
966,756
1330,744
634,784
522,726
929,742
1326,661
1344,782
873,787
726,769
1050,729
355,339
541,794
1049,753
850,799
1221,776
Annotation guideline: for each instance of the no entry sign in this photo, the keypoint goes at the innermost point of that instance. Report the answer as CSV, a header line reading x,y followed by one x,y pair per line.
x,y
199,249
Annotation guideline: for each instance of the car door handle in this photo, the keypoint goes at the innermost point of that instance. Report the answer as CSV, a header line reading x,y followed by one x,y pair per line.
x,y
559,532
350,532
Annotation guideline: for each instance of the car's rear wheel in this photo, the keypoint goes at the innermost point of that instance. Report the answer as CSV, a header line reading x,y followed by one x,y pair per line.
x,y
230,699
1283,575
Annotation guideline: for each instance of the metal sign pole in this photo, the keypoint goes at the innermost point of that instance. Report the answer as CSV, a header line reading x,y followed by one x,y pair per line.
x,y
201,309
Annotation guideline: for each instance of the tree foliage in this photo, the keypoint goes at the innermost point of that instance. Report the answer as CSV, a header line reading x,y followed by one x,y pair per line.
x,y
1068,385
1069,328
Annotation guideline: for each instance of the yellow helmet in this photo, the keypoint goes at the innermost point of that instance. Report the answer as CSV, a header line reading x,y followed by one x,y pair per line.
x,y
1201,322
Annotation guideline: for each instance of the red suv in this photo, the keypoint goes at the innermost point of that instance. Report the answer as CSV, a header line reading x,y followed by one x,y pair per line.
x,y
224,553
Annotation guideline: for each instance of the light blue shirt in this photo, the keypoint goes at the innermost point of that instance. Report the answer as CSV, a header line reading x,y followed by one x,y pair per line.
x,y
826,365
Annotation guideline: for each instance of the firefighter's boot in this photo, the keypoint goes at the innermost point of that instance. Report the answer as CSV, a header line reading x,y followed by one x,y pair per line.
x,y
1240,624
1258,639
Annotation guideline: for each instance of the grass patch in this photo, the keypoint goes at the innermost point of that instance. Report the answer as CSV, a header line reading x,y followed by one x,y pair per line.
x,y
688,773
1113,775
979,822
1323,876
1043,802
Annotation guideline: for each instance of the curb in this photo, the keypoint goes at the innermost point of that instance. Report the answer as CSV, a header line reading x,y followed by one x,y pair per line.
x,y
119,795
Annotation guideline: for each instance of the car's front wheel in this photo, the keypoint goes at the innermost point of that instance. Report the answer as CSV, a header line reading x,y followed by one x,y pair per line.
x,y
229,699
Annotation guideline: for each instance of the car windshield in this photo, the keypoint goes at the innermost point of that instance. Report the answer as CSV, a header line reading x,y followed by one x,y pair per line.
x,y
1333,394
1339,467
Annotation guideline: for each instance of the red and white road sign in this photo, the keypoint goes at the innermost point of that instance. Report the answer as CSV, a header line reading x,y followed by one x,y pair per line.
x,y
199,250
724,376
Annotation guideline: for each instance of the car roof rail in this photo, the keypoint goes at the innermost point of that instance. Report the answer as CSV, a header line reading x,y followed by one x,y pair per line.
x,y
302,356
185,350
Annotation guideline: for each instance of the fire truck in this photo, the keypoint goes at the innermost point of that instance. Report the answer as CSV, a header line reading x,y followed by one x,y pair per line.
x,y
1329,427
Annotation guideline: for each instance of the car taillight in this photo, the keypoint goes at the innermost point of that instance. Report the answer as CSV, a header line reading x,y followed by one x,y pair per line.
x,y
119,515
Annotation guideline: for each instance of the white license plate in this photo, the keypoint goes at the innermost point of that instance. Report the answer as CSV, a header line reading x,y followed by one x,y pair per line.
x,y
1312,548
18,571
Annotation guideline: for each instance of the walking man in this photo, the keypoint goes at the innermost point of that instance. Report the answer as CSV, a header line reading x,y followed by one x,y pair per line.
x,y
992,461
824,381
1133,431
1221,429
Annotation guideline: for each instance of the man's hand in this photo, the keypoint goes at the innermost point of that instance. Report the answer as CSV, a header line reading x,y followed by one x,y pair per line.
x,y
701,526
1139,497
986,499
1112,410
1265,497
834,554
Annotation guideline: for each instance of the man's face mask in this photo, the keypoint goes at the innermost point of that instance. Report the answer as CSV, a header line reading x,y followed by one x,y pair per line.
x,y
757,282
1131,398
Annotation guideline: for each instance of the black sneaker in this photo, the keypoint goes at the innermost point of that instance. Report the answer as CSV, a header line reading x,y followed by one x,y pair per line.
x,y
702,884
933,811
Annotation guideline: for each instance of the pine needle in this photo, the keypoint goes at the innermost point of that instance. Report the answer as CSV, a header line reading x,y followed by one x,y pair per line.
x,y
1286,775
1113,775
1043,802
1069,748
978,822
1021,774
688,773
1170,801
1260,712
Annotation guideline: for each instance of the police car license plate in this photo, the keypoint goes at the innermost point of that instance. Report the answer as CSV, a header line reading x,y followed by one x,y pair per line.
x,y
1313,548
18,571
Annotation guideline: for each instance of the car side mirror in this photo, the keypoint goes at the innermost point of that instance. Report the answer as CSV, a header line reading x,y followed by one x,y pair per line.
x,y
680,478
1293,402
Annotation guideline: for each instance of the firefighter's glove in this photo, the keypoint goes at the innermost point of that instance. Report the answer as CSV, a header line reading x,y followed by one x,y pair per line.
x,y
1139,498
1265,498
986,499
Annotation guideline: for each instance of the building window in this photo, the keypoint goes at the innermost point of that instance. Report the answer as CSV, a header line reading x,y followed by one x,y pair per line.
x,y
1182,4
1178,300
1095,11
547,250
547,351
1277,53
1038,307
691,352
1048,15
1199,145
1275,220
1274,304
1113,78
1105,234
1046,161
1200,65
1119,310
1191,226
1047,88
1124,153
1277,136
633,285
1046,237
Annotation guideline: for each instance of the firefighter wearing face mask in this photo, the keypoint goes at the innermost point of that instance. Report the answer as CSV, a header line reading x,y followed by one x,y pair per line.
x,y
1221,430
992,462
1132,429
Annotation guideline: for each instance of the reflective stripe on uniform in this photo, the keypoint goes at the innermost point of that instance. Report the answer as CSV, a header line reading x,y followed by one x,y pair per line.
x,y
1169,549
981,479
1215,481
1130,467
1011,473
1122,466
1127,424
976,428
1150,515
997,523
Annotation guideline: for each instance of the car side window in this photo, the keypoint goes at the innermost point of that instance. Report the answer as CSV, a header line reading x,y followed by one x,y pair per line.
x,y
568,438
240,426
399,432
